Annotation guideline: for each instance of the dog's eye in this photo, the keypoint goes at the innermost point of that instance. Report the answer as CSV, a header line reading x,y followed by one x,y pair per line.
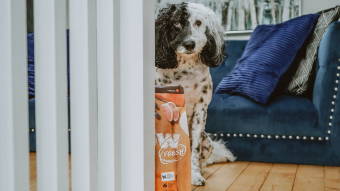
x,y
178,25
198,23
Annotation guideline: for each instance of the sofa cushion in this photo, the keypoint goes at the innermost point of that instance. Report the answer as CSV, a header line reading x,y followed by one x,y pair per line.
x,y
233,50
307,56
286,115
30,64
268,54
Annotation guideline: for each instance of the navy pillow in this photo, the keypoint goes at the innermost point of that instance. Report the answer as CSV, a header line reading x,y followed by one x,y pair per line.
x,y
268,54
30,67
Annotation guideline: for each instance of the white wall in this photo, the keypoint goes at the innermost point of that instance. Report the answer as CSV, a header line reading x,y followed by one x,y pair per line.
x,y
308,6
312,6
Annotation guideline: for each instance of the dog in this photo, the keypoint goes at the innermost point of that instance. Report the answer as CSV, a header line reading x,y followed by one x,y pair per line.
x,y
189,40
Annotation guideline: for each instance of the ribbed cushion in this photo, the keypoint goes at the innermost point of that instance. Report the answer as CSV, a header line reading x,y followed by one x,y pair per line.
x,y
268,54
30,64
306,58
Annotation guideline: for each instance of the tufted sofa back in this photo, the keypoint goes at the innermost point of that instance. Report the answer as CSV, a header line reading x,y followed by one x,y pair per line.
x,y
325,92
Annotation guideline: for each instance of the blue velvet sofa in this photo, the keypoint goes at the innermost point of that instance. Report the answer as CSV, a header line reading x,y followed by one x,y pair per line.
x,y
288,129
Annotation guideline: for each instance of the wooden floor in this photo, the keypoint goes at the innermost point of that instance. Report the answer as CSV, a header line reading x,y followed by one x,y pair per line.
x,y
33,172
251,176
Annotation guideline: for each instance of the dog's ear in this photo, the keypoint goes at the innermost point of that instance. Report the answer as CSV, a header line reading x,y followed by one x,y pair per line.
x,y
165,54
212,54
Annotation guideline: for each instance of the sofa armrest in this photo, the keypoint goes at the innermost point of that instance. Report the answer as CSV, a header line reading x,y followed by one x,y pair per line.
x,y
326,96
31,108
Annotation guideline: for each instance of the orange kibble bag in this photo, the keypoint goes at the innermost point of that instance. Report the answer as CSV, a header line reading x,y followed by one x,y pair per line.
x,y
172,149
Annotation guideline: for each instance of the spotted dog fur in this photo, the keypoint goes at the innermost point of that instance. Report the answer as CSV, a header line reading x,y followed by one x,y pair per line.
x,y
189,40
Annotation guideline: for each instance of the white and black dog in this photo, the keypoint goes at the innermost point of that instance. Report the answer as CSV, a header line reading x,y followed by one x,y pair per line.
x,y
189,40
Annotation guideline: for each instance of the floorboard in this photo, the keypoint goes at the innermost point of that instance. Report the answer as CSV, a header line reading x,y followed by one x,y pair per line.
x,y
332,178
309,178
252,178
224,177
281,178
33,172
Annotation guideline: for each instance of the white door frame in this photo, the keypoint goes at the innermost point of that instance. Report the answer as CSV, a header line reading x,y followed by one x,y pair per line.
x,y
13,97
136,95
112,149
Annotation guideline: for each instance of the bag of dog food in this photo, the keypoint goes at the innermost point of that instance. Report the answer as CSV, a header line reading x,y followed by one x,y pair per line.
x,y
172,149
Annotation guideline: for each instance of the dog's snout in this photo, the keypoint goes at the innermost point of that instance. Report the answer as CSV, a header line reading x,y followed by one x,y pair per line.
x,y
189,44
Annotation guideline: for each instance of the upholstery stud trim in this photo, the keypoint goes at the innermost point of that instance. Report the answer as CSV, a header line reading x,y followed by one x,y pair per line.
x,y
297,137
331,116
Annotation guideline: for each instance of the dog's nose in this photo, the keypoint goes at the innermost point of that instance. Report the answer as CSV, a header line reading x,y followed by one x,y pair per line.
x,y
189,44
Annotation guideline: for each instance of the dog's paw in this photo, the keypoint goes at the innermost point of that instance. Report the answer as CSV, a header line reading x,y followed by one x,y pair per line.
x,y
220,153
231,157
197,179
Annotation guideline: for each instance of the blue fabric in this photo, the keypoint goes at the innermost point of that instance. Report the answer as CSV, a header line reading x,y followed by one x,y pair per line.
x,y
30,58
284,114
30,67
234,50
31,114
268,54
32,135
247,116
325,82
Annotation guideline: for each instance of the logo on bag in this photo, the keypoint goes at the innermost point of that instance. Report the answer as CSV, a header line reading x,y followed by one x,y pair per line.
x,y
168,176
171,150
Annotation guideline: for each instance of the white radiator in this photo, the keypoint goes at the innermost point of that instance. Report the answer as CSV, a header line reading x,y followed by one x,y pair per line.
x,y
111,95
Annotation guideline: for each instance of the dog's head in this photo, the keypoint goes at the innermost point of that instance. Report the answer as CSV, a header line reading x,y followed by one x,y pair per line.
x,y
188,29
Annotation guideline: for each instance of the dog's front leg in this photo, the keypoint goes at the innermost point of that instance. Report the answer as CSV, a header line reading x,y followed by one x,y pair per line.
x,y
200,151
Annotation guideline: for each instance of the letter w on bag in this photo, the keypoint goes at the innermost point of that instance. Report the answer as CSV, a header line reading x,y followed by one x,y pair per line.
x,y
168,140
